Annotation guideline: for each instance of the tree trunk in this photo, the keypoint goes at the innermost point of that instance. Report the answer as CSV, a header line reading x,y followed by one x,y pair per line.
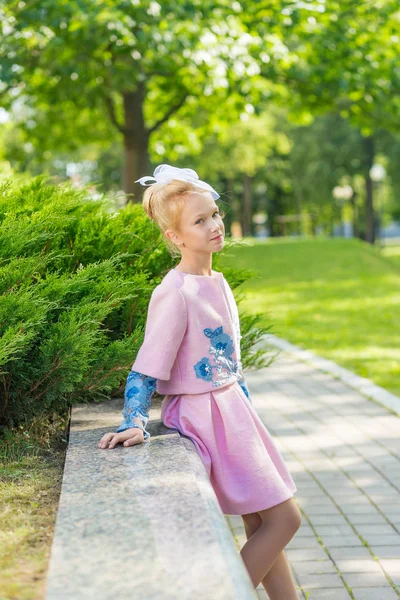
x,y
355,214
273,206
247,211
136,140
369,205
235,206
226,190
298,207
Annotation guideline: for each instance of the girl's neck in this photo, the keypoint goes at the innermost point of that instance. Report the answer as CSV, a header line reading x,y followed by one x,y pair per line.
x,y
194,269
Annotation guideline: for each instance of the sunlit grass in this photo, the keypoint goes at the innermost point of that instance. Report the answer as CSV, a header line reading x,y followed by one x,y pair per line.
x,y
392,252
31,466
337,297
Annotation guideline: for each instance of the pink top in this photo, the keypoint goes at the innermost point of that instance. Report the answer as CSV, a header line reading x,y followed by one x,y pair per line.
x,y
192,336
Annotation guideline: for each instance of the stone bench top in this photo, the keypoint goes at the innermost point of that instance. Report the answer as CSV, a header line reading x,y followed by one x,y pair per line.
x,y
141,521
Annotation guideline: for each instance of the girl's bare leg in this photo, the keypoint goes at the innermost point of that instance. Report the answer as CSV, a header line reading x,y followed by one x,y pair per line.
x,y
278,582
268,532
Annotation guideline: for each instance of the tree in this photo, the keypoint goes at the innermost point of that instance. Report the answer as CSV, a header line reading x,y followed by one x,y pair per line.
x,y
338,56
135,63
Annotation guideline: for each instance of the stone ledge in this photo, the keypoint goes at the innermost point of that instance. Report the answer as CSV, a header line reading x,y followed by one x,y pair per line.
x,y
142,520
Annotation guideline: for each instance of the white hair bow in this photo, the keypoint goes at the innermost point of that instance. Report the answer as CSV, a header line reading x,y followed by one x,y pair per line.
x,y
165,173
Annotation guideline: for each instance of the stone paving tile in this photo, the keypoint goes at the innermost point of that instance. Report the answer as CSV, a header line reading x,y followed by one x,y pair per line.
x,y
357,511
358,565
344,529
390,507
262,594
308,567
305,531
383,540
329,594
391,515
386,551
303,542
296,554
369,529
355,580
318,520
374,593
349,552
343,452
359,502
332,541
315,502
322,509
392,568
320,580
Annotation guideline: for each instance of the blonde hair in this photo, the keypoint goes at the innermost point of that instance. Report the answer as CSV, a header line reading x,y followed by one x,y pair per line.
x,y
163,203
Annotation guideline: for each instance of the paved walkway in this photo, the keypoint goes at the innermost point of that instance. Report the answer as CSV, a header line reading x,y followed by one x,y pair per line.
x,y
343,450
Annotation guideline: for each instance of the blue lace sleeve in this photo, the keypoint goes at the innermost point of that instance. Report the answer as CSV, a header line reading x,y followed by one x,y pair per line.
x,y
139,389
243,385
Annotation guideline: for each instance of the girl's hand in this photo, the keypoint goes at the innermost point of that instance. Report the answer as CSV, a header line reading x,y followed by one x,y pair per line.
x,y
129,437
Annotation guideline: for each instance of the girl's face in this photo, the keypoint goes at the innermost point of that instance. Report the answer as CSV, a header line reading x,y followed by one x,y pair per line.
x,y
200,224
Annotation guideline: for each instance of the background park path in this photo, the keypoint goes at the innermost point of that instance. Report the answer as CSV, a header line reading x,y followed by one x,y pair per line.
x,y
343,450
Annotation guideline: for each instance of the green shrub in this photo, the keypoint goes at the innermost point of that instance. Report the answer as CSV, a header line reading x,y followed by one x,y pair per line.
x,y
75,280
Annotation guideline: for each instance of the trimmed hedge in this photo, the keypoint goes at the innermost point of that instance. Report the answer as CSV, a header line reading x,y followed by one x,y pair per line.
x,y
76,275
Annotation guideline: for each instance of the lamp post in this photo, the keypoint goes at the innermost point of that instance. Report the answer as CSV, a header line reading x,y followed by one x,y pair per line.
x,y
377,173
341,193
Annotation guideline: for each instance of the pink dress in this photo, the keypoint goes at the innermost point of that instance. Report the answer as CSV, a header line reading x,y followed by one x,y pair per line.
x,y
192,346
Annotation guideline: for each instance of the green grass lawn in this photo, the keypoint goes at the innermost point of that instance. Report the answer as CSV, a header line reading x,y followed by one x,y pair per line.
x,y
392,251
31,470
338,297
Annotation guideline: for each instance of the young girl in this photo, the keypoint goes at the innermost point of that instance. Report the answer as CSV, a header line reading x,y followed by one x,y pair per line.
x,y
191,353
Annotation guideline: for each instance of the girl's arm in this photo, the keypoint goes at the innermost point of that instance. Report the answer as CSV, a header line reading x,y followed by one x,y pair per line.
x,y
165,328
139,389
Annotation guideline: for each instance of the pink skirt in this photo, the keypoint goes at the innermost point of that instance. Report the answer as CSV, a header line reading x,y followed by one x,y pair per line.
x,y
245,468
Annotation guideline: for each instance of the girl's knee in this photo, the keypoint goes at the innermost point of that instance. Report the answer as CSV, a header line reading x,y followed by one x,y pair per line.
x,y
296,518
287,512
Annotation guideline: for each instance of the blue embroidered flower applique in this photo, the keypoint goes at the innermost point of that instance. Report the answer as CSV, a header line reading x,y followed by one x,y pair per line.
x,y
221,348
